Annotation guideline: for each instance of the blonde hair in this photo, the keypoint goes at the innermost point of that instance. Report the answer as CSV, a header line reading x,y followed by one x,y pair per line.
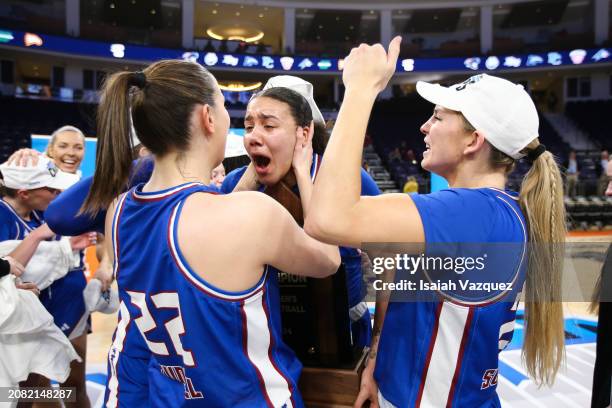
x,y
541,200
67,128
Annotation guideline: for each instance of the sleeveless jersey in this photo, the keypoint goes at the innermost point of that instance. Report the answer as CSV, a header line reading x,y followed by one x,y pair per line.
x,y
206,347
445,353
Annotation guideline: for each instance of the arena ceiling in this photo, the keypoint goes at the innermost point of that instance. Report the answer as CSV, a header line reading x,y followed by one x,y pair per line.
x,y
374,5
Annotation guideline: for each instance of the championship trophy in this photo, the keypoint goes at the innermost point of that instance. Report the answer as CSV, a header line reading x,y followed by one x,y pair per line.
x,y
316,324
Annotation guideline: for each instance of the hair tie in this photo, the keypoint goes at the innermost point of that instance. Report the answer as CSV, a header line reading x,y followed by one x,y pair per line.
x,y
533,155
138,79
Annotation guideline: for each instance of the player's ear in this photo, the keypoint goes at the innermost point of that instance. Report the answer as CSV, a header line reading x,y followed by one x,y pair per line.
x,y
474,142
204,117
23,194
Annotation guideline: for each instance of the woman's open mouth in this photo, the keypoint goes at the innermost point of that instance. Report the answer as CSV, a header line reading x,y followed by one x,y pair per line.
x,y
69,162
261,163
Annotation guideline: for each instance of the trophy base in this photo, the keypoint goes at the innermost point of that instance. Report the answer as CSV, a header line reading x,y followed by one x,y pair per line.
x,y
331,387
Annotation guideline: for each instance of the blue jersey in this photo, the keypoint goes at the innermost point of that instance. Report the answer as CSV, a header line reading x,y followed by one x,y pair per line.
x,y
64,297
13,227
445,353
63,213
201,346
351,257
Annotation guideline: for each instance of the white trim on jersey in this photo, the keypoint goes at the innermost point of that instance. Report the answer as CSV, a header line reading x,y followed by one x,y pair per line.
x,y
18,231
525,239
518,217
158,196
115,228
438,380
504,192
508,327
258,343
21,220
196,280
113,356
315,167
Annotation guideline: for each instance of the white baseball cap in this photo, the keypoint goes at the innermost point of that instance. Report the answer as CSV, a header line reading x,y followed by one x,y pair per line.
x,y
502,110
300,86
30,177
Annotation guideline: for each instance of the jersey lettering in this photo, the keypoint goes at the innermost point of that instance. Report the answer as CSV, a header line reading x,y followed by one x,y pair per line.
x,y
489,379
174,327
177,373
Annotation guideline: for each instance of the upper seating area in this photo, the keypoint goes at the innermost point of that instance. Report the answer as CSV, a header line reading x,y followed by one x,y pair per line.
x,y
394,129
23,117
593,117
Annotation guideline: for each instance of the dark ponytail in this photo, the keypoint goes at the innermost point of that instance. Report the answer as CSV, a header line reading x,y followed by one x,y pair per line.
x,y
162,98
114,147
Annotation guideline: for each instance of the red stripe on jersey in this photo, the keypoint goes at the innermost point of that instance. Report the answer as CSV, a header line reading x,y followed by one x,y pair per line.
x,y
245,336
271,346
466,332
428,358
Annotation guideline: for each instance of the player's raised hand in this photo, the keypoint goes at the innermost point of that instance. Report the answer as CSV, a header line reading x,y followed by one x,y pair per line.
x,y
370,66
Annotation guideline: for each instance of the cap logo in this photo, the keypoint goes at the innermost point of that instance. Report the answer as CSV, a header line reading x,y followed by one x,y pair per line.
x,y
52,169
470,80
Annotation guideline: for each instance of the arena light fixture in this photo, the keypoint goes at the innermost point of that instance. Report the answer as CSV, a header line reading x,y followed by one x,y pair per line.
x,y
246,34
239,86
30,39
6,36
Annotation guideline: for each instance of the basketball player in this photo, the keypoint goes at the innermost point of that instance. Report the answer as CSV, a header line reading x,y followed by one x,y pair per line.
x,y
63,214
282,125
445,353
64,298
199,321
27,192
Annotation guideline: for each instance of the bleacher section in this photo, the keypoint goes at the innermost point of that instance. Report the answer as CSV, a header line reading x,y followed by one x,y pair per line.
x,y
394,155
534,14
593,117
587,213
554,143
23,117
395,123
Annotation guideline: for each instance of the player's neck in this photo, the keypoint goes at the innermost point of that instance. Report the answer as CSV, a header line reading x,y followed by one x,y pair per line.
x,y
173,169
475,175
21,210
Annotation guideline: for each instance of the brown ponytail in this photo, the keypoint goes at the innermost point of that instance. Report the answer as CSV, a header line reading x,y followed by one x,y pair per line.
x,y
162,98
114,147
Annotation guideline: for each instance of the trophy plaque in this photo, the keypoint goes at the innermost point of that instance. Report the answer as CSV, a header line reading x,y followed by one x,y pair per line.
x,y
316,324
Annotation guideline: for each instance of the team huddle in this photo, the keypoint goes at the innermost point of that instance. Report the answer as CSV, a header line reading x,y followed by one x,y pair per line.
x,y
196,266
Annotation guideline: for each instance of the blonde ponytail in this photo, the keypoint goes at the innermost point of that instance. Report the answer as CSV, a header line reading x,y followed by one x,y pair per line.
x,y
541,199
